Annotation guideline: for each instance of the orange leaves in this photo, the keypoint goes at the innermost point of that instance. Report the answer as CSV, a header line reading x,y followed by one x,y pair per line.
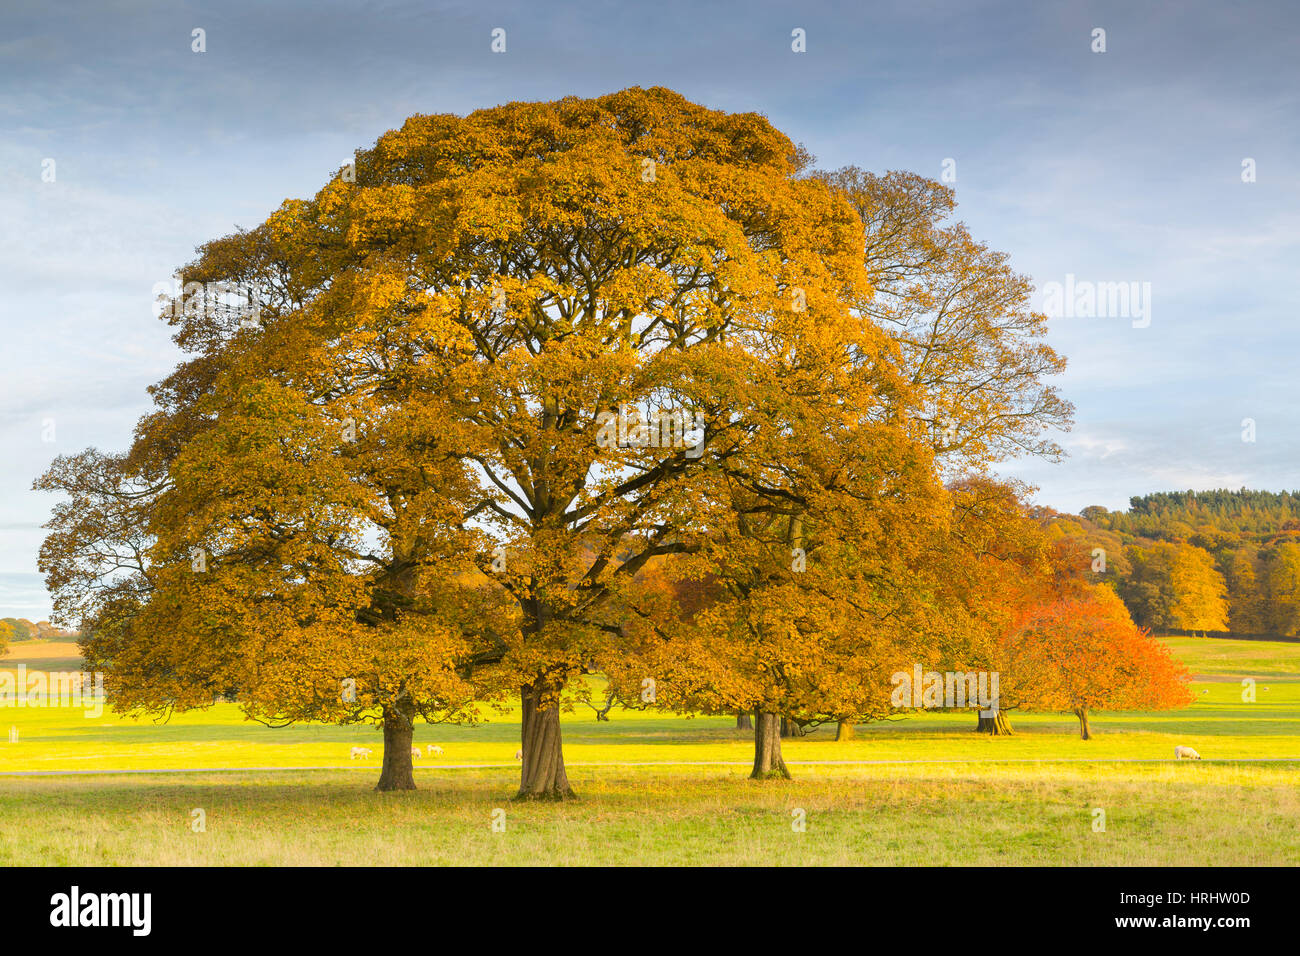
x,y
1084,653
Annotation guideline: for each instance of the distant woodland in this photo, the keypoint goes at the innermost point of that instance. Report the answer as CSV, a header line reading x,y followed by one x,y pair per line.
x,y
21,629
1196,560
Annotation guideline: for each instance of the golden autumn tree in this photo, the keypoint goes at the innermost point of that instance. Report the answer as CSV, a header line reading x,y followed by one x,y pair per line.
x,y
1176,585
512,341
971,346
1202,593
800,587
250,556
1245,579
969,339
973,378
811,562
1281,584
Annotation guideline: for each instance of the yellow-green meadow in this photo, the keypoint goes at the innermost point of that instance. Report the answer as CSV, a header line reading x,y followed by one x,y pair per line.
x,y
670,789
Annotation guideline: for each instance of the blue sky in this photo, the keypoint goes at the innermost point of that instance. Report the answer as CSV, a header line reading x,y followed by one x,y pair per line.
x,y
1122,166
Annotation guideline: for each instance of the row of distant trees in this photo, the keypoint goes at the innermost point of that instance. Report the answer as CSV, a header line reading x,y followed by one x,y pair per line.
x,y
1201,561
21,629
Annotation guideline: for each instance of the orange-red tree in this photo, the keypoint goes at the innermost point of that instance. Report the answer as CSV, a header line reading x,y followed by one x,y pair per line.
x,y
1083,653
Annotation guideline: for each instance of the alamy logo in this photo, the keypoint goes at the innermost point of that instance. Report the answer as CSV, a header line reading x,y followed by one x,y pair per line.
x,y
236,303
53,689
103,909
949,689
1076,299
630,427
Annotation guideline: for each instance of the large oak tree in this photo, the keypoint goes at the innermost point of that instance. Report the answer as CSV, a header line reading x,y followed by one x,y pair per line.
x,y
444,332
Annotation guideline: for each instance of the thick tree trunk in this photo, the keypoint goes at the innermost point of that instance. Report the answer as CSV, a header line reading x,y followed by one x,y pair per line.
x,y
399,730
790,729
542,776
997,725
1084,732
743,722
844,730
767,748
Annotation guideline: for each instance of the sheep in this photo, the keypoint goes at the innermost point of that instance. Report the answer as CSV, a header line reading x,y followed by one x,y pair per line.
x,y
1180,752
415,752
519,755
434,750
362,752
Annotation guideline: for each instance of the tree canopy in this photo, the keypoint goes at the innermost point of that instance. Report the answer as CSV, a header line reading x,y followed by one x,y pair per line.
x,y
438,424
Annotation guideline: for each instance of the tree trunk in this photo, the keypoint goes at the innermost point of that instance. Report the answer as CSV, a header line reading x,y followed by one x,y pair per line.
x,y
1084,732
743,722
844,730
542,776
790,729
399,730
997,725
767,748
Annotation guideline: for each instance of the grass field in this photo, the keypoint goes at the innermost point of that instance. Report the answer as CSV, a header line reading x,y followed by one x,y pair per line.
x,y
662,789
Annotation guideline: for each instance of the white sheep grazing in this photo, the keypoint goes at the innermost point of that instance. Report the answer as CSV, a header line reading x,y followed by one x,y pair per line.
x,y
415,751
519,755
1188,752
362,752
434,750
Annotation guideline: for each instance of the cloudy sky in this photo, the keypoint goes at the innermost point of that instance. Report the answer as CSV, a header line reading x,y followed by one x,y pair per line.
x,y
122,149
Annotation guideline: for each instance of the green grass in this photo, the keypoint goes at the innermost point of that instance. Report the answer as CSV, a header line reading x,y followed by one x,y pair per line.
x,y
1211,657
660,788
1166,814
